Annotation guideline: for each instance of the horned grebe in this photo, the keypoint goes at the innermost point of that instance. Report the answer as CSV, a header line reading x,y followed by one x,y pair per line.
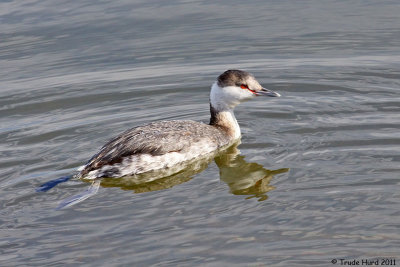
x,y
164,144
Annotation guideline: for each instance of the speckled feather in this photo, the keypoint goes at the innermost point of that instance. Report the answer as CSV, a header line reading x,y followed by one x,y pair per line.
x,y
157,138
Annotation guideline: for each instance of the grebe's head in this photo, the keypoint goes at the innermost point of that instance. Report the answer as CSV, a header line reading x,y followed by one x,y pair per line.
x,y
234,87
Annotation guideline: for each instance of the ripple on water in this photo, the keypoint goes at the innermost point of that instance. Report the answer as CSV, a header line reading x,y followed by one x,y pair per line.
x,y
327,151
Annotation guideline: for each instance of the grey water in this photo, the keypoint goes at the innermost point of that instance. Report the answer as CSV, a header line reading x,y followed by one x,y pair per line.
x,y
315,178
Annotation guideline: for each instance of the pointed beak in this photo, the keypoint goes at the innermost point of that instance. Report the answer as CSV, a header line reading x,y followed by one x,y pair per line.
x,y
267,92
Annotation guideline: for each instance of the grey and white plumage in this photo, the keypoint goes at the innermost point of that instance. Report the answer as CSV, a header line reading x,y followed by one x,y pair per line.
x,y
164,144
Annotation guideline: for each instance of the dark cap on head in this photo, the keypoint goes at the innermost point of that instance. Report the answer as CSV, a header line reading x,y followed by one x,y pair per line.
x,y
233,78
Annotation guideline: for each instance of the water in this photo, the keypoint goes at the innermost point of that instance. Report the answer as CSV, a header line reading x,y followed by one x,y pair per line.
x,y
317,177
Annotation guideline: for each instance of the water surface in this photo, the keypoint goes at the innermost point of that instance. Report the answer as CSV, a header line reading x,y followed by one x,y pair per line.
x,y
316,176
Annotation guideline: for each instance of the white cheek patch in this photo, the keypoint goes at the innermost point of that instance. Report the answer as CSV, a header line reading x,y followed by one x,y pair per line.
x,y
242,95
228,97
232,95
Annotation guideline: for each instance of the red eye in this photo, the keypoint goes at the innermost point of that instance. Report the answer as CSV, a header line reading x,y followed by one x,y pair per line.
x,y
243,86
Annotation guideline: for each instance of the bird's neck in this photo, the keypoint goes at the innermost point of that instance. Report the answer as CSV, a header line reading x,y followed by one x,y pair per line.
x,y
226,121
221,109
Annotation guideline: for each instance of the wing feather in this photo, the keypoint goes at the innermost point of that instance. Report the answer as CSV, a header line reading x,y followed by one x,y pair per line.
x,y
156,138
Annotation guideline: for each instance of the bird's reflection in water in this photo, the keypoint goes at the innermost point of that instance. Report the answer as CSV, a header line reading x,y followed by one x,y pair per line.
x,y
245,178
242,177
160,180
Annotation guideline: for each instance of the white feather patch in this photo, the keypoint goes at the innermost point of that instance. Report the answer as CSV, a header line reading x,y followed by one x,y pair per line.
x,y
142,163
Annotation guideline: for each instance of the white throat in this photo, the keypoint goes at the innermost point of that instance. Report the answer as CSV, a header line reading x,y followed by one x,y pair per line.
x,y
223,106
221,99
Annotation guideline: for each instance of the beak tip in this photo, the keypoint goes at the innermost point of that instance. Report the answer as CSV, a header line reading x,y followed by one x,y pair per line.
x,y
267,92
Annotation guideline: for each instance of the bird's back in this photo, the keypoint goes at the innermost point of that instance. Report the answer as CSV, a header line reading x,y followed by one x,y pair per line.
x,y
157,141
